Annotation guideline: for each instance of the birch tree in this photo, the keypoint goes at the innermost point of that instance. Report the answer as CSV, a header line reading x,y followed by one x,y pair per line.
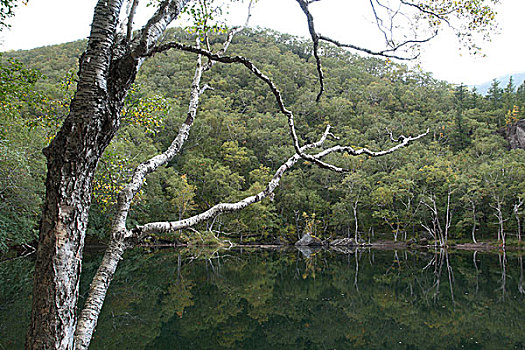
x,y
114,53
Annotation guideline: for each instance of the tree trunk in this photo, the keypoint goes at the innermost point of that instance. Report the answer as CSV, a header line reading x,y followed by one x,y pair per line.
x,y
108,67
517,215
448,220
72,158
501,228
97,293
473,222
354,208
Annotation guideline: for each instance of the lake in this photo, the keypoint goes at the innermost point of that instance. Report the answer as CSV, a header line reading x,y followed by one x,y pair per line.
x,y
291,299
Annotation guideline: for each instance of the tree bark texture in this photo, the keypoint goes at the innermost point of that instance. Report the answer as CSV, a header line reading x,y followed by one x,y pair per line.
x,y
71,161
108,67
88,317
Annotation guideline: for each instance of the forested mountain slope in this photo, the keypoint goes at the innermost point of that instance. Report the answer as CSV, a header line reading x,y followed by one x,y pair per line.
x,y
461,181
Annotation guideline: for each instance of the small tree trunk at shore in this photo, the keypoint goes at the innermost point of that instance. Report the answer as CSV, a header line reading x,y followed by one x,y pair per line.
x,y
516,210
473,221
499,215
354,208
448,220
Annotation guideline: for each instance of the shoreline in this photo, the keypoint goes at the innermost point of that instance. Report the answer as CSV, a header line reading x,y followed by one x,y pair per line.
x,y
380,245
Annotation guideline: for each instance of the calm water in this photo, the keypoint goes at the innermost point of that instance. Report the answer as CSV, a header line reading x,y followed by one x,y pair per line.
x,y
261,299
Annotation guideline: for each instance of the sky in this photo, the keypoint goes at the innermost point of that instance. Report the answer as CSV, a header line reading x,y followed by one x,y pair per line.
x,y
47,22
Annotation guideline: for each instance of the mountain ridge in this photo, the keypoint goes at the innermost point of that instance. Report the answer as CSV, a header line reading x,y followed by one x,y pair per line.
x,y
483,88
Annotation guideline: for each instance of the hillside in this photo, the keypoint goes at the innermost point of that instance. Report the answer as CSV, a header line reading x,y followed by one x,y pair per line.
x,y
240,139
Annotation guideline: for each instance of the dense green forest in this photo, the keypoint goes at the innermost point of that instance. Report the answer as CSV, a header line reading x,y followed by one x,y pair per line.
x,y
461,182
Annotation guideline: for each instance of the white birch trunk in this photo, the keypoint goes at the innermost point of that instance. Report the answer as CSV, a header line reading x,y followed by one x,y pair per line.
x,y
108,67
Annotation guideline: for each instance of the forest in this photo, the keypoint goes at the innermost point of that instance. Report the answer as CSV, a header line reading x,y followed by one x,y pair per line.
x,y
463,182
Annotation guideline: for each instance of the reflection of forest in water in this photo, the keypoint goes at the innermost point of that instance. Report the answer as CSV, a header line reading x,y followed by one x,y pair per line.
x,y
261,299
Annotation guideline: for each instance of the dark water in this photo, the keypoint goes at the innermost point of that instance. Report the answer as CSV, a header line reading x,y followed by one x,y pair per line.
x,y
262,299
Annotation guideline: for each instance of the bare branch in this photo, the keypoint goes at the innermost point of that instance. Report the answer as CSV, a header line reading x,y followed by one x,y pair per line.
x,y
230,36
403,141
429,12
128,193
388,53
204,88
140,232
277,94
383,53
315,39
379,22
131,17
399,139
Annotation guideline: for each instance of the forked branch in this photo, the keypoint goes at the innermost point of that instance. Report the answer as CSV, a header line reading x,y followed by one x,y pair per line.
x,y
278,97
140,232
387,53
88,317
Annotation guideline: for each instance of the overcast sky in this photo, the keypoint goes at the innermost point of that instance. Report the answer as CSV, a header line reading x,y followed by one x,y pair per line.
x,y
47,22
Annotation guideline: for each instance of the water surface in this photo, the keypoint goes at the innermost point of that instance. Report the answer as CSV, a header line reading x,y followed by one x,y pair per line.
x,y
267,299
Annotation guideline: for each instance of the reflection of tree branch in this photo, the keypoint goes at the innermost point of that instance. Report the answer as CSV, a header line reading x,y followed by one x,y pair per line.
x,y
437,273
474,259
503,263
356,277
521,288
450,277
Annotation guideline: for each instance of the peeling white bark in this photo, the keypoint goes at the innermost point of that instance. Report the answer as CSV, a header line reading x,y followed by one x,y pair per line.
x,y
120,236
172,226
107,69
71,161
